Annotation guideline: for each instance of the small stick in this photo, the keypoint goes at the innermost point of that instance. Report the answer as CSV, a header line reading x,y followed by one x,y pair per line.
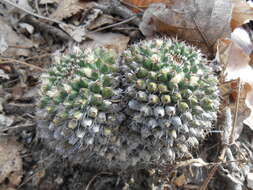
x,y
232,138
10,60
113,25
132,5
17,127
204,37
39,56
19,47
31,13
94,177
209,177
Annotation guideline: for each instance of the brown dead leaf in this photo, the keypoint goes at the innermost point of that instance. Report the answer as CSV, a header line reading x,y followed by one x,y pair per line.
x,y
142,3
180,181
10,161
241,13
192,20
114,41
12,41
78,33
237,66
100,21
68,8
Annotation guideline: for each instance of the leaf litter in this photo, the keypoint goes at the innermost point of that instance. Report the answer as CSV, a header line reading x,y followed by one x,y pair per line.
x,y
204,23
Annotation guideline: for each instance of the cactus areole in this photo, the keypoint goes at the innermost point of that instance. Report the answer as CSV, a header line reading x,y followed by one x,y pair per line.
x,y
148,108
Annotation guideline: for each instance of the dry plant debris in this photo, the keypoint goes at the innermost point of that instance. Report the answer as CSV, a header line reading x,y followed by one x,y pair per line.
x,y
10,162
237,66
32,29
67,8
241,13
190,20
11,43
114,41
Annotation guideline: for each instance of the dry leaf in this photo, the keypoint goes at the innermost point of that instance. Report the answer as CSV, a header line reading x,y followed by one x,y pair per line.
x,y
10,38
237,66
229,94
14,13
68,8
180,181
192,20
100,21
143,3
117,42
241,13
78,33
5,121
10,161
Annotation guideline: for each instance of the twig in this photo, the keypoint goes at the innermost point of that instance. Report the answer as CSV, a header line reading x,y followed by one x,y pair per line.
x,y
209,177
232,139
39,56
116,7
113,25
94,177
31,13
208,44
190,162
16,127
19,47
10,60
132,5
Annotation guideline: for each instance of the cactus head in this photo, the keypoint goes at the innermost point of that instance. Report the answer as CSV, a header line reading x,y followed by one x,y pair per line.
x,y
79,108
172,98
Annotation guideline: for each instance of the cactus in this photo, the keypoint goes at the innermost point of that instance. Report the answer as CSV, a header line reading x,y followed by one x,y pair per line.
x,y
149,108
79,110
171,96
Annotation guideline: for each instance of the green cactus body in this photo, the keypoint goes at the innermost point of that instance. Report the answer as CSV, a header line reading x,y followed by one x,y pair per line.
x,y
79,111
180,107
149,109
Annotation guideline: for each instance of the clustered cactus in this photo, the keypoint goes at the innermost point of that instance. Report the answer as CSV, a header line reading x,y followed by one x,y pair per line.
x,y
79,107
148,108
